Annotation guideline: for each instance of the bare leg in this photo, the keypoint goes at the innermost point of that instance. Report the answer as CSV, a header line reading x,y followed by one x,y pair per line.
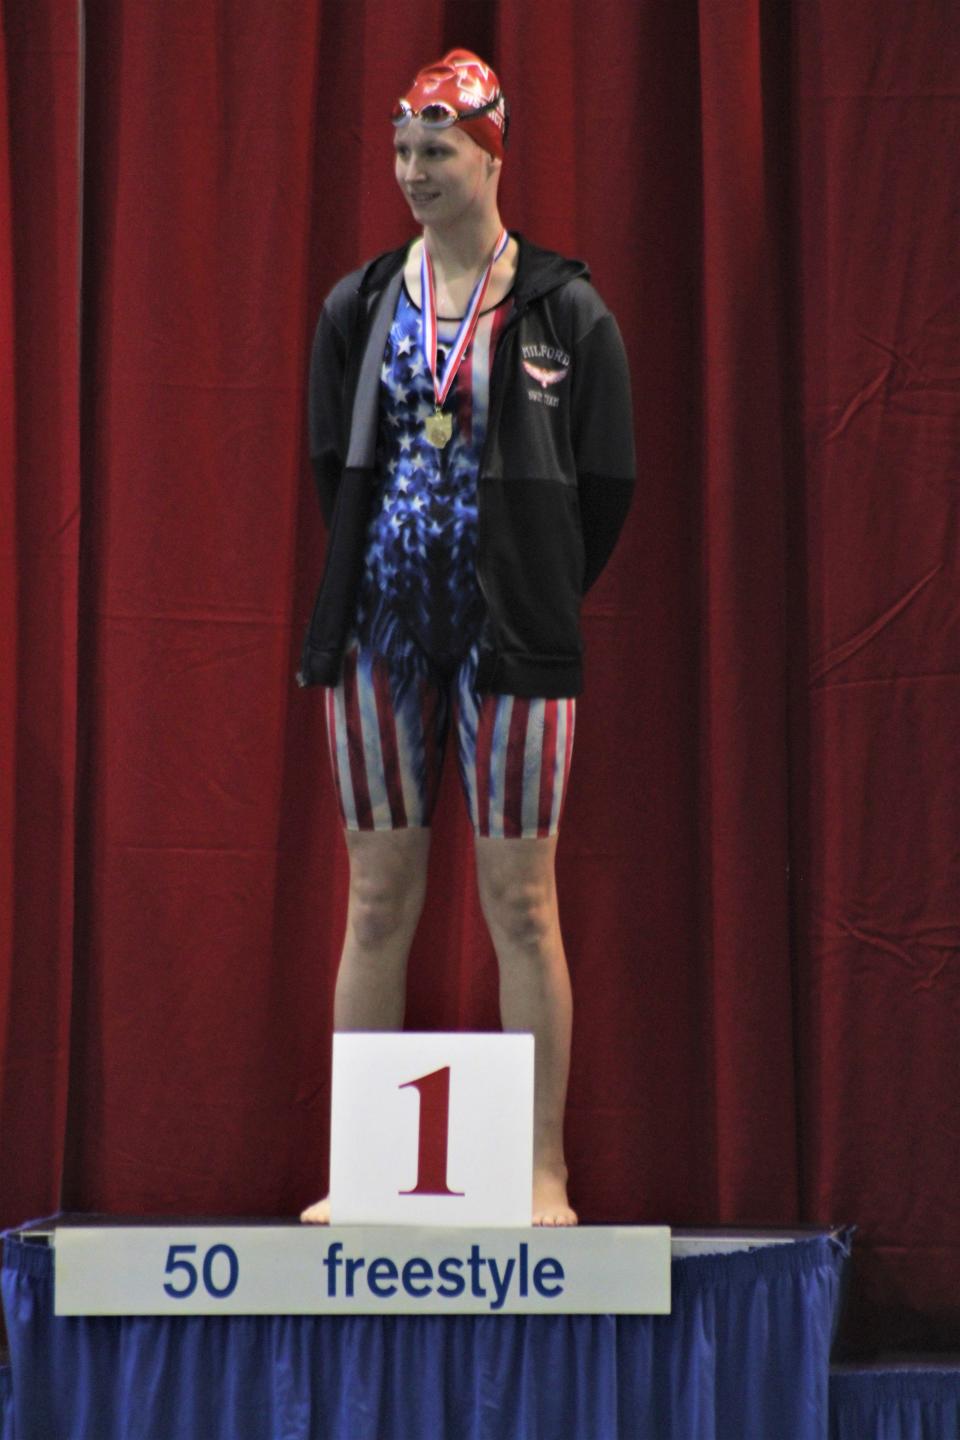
x,y
388,876
519,898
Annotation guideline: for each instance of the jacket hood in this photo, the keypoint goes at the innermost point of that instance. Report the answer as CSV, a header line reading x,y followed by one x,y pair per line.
x,y
538,271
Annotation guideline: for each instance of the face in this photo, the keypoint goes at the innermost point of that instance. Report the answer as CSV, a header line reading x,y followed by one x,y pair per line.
x,y
444,175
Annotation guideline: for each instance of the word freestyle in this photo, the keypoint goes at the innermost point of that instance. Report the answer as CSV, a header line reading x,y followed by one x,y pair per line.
x,y
417,1278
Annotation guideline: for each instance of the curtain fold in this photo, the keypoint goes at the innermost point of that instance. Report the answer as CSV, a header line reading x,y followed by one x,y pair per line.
x,y
901,1404
39,561
8,541
743,749
6,1404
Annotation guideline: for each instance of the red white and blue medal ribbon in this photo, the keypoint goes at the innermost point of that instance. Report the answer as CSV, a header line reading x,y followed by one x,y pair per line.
x,y
439,426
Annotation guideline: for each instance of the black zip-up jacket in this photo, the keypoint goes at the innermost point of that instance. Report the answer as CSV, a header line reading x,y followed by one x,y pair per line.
x,y
555,477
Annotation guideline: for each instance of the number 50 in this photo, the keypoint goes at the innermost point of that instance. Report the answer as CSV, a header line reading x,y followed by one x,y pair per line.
x,y
189,1276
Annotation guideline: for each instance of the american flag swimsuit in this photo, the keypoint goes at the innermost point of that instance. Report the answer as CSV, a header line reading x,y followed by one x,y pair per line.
x,y
411,662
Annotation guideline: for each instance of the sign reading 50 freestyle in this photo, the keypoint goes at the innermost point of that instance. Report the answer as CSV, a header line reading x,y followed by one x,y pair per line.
x,y
209,1269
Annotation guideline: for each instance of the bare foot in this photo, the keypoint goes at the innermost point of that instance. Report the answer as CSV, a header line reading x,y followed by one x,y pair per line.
x,y
318,1214
550,1203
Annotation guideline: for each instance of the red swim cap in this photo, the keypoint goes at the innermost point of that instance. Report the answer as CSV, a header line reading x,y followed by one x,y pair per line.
x,y
462,81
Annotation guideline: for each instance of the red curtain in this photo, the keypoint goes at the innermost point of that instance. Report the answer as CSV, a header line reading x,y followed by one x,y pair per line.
x,y
758,865
876,775
40,75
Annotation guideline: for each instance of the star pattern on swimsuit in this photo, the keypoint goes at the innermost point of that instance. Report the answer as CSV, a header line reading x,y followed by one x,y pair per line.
x,y
420,561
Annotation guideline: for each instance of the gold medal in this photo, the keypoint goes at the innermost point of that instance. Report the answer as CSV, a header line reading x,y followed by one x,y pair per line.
x,y
439,428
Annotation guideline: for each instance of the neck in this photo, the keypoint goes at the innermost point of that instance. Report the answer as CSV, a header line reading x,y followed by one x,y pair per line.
x,y
457,250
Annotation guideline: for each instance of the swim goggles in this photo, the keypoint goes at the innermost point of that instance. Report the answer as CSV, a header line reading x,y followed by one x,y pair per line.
x,y
440,115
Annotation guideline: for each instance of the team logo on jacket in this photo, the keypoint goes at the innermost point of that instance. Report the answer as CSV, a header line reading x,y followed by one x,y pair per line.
x,y
545,375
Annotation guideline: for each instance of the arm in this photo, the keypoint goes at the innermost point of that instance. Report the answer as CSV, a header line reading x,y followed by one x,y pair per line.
x,y
602,440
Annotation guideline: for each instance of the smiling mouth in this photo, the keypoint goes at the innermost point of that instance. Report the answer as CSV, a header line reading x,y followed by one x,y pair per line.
x,y
423,196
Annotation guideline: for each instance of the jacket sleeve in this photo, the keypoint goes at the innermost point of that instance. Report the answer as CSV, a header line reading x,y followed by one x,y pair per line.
x,y
325,408
602,440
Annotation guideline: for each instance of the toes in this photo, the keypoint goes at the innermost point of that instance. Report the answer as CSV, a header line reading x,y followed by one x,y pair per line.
x,y
559,1218
318,1214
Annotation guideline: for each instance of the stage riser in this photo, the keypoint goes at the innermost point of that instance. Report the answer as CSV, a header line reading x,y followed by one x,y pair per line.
x,y
744,1355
